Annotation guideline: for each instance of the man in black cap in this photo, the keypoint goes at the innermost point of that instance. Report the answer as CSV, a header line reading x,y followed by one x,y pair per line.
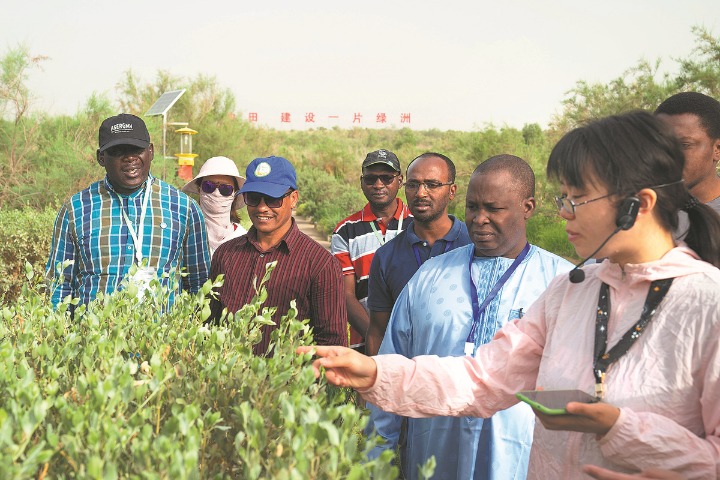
x,y
129,218
356,238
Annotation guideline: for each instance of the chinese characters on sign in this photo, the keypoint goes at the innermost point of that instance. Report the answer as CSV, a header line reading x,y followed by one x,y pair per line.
x,y
312,117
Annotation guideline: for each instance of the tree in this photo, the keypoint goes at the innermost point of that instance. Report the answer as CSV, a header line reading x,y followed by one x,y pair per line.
x,y
636,88
19,132
702,72
642,87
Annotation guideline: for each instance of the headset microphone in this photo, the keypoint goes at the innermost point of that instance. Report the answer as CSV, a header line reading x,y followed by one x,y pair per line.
x,y
627,213
578,276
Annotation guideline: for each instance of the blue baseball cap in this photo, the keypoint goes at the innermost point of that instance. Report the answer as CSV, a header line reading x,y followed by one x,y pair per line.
x,y
271,176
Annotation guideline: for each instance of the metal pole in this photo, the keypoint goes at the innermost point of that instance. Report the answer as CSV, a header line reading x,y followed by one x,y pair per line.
x,y
164,115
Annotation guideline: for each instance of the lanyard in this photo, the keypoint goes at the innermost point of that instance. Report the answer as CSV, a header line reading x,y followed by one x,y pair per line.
x,y
416,250
604,358
380,238
137,237
479,309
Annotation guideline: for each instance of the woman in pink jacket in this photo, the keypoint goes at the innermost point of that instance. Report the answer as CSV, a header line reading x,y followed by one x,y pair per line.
x,y
642,327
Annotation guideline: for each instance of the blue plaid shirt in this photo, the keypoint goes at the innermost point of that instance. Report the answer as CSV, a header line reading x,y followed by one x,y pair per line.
x,y
90,231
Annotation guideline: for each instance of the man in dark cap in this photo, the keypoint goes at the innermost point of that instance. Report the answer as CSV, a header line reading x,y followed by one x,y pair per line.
x,y
304,270
356,238
129,218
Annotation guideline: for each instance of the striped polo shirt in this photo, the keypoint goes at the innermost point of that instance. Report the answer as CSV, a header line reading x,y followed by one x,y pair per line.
x,y
354,243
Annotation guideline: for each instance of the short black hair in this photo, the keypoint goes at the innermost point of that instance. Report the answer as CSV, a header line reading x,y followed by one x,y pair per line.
x,y
448,162
706,108
521,173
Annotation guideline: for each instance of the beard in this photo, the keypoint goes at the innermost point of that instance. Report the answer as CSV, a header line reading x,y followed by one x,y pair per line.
x,y
428,216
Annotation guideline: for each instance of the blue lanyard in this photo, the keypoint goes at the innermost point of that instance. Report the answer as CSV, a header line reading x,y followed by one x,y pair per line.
x,y
479,309
416,250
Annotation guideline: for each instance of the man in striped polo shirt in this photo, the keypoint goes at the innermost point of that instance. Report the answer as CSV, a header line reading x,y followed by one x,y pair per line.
x,y
356,238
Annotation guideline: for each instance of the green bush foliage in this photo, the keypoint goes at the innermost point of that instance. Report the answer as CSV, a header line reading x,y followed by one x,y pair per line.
x,y
24,237
133,389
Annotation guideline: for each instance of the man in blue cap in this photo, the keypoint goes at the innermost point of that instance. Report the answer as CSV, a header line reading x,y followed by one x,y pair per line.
x,y
305,271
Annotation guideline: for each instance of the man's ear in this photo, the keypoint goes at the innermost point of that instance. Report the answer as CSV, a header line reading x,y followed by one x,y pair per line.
x,y
716,151
453,189
100,156
151,149
294,197
529,207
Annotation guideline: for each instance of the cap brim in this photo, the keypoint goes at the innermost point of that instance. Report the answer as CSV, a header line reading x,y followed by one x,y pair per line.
x,y
270,189
125,141
381,162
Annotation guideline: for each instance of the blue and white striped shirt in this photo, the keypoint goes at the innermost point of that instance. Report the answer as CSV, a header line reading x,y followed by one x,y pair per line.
x,y
91,232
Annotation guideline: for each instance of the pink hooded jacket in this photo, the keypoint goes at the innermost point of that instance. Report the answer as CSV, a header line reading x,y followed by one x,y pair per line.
x,y
667,385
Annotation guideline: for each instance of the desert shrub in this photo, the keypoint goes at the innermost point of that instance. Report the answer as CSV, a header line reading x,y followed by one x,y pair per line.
x,y
133,389
24,237
327,199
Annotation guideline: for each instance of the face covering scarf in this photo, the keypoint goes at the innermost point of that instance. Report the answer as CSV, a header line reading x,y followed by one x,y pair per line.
x,y
216,209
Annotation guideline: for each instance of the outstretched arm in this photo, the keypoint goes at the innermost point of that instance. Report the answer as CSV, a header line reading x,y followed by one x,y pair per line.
x,y
343,366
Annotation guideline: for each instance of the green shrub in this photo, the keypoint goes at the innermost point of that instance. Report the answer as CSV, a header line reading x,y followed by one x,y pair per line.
x,y
133,389
24,237
326,199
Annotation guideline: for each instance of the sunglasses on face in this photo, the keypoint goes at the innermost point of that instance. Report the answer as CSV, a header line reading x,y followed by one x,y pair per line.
x,y
372,179
252,199
209,187
121,150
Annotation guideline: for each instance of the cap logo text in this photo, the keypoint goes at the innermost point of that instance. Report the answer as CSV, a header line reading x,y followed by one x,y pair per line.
x,y
121,128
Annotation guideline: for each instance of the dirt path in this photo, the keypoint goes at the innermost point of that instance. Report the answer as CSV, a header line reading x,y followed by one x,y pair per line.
x,y
308,228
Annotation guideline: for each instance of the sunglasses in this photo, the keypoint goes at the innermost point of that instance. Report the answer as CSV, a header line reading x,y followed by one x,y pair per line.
x,y
209,187
372,179
252,199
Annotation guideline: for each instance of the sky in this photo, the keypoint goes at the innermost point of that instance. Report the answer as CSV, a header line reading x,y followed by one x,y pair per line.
x,y
453,65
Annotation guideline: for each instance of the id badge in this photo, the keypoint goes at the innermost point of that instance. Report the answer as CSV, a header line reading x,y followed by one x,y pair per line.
x,y
142,279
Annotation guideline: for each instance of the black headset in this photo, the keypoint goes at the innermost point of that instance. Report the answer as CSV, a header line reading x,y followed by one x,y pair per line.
x,y
627,213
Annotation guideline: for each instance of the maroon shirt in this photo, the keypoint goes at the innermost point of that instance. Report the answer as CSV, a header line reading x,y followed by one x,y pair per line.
x,y
305,272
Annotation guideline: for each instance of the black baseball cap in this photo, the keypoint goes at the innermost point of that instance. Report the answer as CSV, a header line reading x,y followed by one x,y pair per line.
x,y
384,157
123,129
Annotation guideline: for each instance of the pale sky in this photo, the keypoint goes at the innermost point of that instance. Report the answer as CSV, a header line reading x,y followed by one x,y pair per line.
x,y
449,65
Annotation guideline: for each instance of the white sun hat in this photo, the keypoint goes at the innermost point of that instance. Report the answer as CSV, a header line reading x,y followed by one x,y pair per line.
x,y
215,166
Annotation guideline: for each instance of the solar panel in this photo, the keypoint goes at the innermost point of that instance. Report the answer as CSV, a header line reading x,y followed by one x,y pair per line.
x,y
164,103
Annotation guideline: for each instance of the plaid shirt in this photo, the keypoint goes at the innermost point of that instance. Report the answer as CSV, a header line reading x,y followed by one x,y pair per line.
x,y
90,231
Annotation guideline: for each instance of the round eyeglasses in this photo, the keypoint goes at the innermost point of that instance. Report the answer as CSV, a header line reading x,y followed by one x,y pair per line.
x,y
564,203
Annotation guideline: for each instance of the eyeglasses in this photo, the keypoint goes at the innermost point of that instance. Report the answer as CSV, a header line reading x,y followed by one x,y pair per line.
x,y
209,187
252,199
412,185
372,179
565,203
